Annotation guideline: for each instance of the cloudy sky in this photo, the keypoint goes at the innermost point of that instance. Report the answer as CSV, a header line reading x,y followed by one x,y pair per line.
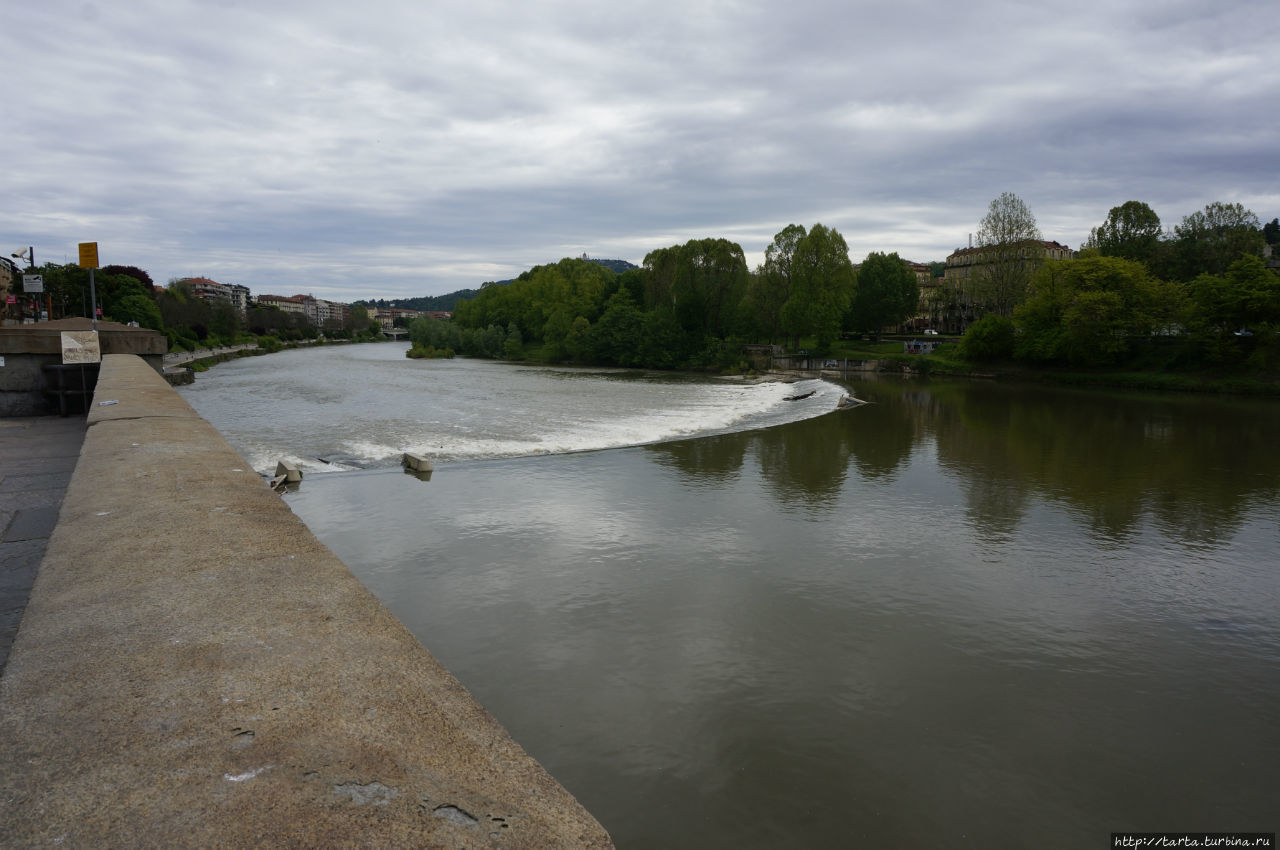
x,y
389,148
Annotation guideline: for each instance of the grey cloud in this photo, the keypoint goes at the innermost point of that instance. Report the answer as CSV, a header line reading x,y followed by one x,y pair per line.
x,y
394,149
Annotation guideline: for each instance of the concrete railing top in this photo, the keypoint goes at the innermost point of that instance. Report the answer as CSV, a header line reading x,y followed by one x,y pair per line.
x,y
195,669
46,338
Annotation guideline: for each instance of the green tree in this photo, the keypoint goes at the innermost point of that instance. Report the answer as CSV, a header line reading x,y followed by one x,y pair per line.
x,y
1012,249
887,294
513,345
770,287
1091,311
1132,231
1271,232
66,286
990,338
822,287
555,333
358,319
701,282
138,308
1247,296
618,336
134,272
1210,240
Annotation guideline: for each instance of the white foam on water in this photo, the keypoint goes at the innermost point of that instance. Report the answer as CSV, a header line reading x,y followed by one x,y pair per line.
x,y
332,411
714,409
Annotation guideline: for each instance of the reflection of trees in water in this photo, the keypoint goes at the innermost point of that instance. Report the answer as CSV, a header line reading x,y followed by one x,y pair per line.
x,y
1190,465
1193,465
704,461
804,463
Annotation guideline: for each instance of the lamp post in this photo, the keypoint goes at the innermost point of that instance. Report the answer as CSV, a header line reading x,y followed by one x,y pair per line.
x,y
30,256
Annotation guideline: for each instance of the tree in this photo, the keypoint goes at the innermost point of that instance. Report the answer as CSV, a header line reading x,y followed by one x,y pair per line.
x,y
1132,231
358,320
1271,232
513,345
138,308
770,288
701,281
990,338
1248,295
1091,311
618,336
1210,240
821,289
133,272
886,294
1012,249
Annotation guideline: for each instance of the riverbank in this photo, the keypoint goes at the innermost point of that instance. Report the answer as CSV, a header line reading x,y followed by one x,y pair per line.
x,y
180,367
1193,382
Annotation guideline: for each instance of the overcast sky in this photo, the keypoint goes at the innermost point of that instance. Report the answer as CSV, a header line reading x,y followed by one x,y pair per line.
x,y
388,148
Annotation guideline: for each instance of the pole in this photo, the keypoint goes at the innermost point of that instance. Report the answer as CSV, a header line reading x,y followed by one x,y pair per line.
x,y
93,301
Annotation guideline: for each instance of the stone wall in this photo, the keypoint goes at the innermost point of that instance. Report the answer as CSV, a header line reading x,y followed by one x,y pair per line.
x,y
195,669
26,351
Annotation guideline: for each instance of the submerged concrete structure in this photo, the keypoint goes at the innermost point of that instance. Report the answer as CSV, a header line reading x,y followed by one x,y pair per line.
x,y
194,668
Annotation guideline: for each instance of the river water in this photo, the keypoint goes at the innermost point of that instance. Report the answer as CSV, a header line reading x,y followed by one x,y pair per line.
x,y
966,614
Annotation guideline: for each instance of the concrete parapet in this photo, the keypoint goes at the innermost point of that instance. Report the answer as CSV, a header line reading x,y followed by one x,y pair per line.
x,y
195,669
27,351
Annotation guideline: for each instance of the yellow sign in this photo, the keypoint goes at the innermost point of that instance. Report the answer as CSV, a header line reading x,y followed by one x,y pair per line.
x,y
88,255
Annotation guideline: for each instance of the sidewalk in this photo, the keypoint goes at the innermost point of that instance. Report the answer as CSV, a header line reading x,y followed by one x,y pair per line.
x,y
178,358
37,457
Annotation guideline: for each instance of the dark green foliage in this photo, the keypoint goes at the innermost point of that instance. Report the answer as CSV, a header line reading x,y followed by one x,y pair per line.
x,y
579,310
886,294
1132,231
770,287
133,272
822,285
701,282
1233,318
1210,240
618,336
138,308
1271,232
1091,311
990,338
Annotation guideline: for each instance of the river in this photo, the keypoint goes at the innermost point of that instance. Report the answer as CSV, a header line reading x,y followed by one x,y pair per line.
x,y
966,614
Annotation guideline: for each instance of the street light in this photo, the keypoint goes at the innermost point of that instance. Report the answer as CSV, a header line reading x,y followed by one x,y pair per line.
x,y
30,256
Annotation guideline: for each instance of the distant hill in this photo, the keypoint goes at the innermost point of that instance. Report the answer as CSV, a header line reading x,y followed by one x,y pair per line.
x,y
615,266
447,302
425,303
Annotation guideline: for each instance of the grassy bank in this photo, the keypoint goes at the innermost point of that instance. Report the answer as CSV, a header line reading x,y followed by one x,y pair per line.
x,y
946,360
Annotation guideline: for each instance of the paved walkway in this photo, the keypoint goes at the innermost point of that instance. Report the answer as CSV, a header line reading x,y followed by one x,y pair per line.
x,y
178,358
37,457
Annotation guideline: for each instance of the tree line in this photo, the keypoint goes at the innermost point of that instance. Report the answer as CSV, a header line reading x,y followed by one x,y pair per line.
x,y
687,306
1200,295
127,294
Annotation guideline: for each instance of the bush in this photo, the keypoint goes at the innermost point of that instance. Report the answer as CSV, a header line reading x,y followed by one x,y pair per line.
x,y
989,338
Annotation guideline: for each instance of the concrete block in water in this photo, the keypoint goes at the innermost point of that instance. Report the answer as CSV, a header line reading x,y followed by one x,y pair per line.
x,y
290,471
417,463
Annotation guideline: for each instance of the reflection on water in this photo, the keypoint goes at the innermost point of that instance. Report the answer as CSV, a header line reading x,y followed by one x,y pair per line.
x,y
963,615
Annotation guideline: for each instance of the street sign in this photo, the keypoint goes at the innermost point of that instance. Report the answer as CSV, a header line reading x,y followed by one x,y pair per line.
x,y
88,255
33,283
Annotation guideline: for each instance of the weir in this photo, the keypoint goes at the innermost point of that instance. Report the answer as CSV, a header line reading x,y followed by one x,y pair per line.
x,y
194,668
